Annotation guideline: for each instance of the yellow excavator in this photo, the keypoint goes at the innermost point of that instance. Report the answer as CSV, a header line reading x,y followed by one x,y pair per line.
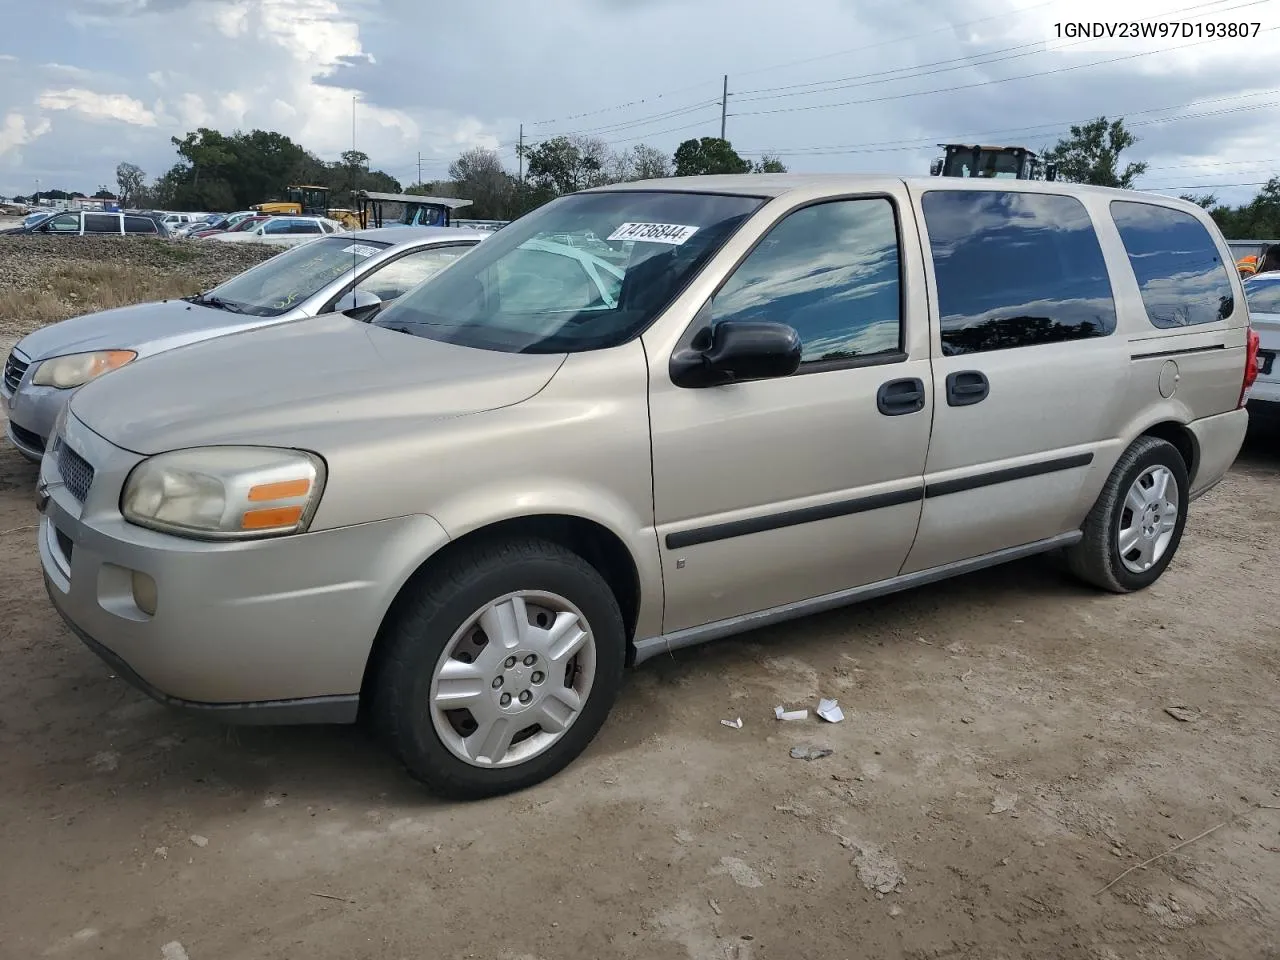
x,y
1011,163
311,201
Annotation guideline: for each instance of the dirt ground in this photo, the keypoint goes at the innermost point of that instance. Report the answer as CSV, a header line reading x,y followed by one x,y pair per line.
x,y
1006,754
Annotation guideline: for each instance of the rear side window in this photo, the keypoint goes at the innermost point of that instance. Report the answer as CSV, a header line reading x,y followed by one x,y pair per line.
x,y
1183,280
139,225
1016,270
101,223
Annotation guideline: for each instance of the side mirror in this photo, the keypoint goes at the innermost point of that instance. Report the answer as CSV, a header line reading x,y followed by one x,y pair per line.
x,y
358,304
935,168
735,351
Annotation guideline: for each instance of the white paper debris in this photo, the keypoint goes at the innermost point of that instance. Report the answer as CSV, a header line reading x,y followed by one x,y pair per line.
x,y
782,713
830,711
173,950
735,724
198,840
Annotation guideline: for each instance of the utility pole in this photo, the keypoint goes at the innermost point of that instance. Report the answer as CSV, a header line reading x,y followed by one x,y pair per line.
x,y
724,105
419,167
520,154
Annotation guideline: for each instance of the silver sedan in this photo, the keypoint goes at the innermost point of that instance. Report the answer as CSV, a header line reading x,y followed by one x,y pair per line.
x,y
352,273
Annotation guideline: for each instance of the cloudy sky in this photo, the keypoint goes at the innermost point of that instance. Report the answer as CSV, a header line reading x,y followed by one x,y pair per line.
x,y
866,86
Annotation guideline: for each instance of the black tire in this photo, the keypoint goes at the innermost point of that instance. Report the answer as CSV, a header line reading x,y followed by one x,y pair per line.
x,y
1096,559
434,607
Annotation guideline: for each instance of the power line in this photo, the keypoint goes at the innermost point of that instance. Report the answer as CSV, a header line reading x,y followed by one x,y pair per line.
x,y
885,146
968,60
1211,186
981,83
793,63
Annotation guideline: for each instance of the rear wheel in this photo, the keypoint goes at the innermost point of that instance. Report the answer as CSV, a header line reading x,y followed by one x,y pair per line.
x,y
1134,529
500,669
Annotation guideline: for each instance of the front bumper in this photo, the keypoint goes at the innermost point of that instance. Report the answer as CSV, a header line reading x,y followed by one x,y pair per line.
x,y
32,412
267,631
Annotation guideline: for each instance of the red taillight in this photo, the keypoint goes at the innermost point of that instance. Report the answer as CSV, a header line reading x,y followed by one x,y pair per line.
x,y
1252,340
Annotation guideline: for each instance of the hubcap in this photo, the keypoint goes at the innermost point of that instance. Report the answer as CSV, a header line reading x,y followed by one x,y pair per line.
x,y
513,679
1148,519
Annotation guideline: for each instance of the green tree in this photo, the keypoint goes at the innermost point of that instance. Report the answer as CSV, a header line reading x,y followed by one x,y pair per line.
x,y
478,175
566,164
770,163
708,155
1206,200
130,179
1259,219
1091,154
103,193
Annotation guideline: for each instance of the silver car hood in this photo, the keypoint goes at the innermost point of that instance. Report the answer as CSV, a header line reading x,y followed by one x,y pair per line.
x,y
147,328
307,383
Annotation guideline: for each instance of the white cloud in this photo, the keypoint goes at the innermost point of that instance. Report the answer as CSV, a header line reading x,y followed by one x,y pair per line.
x,y
16,132
101,106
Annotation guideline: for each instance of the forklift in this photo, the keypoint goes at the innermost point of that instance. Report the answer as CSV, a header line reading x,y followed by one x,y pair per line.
x,y
1010,163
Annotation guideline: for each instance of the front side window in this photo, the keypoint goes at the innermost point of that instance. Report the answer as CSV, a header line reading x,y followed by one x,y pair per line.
x,y
1176,263
65,223
831,272
290,278
1015,269
400,276
277,227
527,290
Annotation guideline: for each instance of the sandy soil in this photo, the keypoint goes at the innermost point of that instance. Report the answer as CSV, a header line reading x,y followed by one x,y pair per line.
x,y
1006,754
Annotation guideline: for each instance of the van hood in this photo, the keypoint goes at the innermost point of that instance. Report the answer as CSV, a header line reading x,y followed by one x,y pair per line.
x,y
146,328
326,378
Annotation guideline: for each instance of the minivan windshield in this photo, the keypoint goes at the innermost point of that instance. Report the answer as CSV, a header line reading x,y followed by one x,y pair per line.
x,y
278,285
583,272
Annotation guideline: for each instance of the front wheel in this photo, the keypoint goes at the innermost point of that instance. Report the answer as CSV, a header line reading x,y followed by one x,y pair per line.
x,y
1134,529
500,669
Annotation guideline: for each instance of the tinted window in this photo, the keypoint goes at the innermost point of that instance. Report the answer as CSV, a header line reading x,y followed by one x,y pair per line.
x,y
277,226
831,272
101,223
400,276
65,223
305,226
1016,270
1183,280
1263,297
139,225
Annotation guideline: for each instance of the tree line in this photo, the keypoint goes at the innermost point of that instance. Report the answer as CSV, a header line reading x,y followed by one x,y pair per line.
x,y
217,171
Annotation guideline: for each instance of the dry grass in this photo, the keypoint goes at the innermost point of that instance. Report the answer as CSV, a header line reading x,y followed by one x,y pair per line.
x,y
72,288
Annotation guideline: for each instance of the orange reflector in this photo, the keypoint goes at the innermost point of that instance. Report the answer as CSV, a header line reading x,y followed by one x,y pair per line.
x,y
280,490
269,517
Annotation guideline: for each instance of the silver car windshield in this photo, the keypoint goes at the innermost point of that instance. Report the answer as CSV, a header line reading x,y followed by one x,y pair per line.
x,y
276,286
584,272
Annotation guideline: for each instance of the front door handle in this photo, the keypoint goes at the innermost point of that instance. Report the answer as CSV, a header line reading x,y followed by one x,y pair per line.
x,y
898,397
966,387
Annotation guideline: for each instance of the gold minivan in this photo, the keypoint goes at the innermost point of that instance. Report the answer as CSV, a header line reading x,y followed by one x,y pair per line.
x,y
741,399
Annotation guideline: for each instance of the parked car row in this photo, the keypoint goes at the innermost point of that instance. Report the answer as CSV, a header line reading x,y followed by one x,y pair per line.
x,y
77,223
462,501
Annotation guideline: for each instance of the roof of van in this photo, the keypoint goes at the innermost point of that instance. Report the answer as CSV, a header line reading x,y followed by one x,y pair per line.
x,y
776,184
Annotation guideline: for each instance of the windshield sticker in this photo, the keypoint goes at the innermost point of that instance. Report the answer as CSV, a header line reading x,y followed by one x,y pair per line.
x,y
672,233
361,250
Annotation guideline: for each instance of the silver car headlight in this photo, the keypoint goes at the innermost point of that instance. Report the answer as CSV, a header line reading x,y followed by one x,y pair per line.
x,y
225,493
77,369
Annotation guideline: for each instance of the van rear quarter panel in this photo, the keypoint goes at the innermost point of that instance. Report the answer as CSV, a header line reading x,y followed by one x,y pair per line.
x,y
1204,364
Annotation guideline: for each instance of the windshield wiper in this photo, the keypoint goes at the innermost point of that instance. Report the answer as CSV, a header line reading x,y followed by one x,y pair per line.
x,y
218,303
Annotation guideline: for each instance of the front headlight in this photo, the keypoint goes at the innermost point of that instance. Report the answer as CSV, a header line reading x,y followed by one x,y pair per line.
x,y
225,493
77,369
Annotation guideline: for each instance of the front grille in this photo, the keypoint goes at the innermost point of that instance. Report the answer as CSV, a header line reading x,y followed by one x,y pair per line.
x,y
26,437
14,369
76,471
